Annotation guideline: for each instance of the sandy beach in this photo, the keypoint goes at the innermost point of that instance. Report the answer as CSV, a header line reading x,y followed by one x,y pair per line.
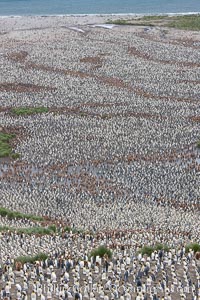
x,y
30,22
23,23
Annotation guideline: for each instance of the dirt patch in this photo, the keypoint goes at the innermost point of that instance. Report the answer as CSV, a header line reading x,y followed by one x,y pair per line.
x,y
195,82
136,115
22,87
111,81
91,59
4,109
95,61
104,104
195,119
135,52
148,95
165,37
18,56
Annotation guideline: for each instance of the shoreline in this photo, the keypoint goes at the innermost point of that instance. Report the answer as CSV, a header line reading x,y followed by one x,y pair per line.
x,y
13,23
102,15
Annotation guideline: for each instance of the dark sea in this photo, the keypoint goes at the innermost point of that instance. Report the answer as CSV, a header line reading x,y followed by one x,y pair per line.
x,y
66,7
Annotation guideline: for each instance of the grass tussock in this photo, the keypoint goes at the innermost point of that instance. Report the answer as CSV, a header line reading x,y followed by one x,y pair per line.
x,y
153,18
37,230
31,259
148,250
185,22
73,230
5,147
129,22
29,110
101,251
188,22
194,246
5,212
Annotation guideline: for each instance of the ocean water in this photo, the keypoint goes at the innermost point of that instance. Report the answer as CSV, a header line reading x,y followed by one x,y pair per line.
x,y
57,7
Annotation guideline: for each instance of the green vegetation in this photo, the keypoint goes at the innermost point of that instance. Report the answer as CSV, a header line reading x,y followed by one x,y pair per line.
x,y
158,247
148,250
120,22
188,22
101,251
15,155
129,22
73,230
83,114
5,228
105,116
67,229
5,148
5,212
144,21
52,228
185,22
5,137
195,247
152,18
38,230
198,144
31,259
29,110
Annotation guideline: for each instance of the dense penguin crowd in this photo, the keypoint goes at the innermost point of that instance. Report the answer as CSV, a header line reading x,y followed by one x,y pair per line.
x,y
115,156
